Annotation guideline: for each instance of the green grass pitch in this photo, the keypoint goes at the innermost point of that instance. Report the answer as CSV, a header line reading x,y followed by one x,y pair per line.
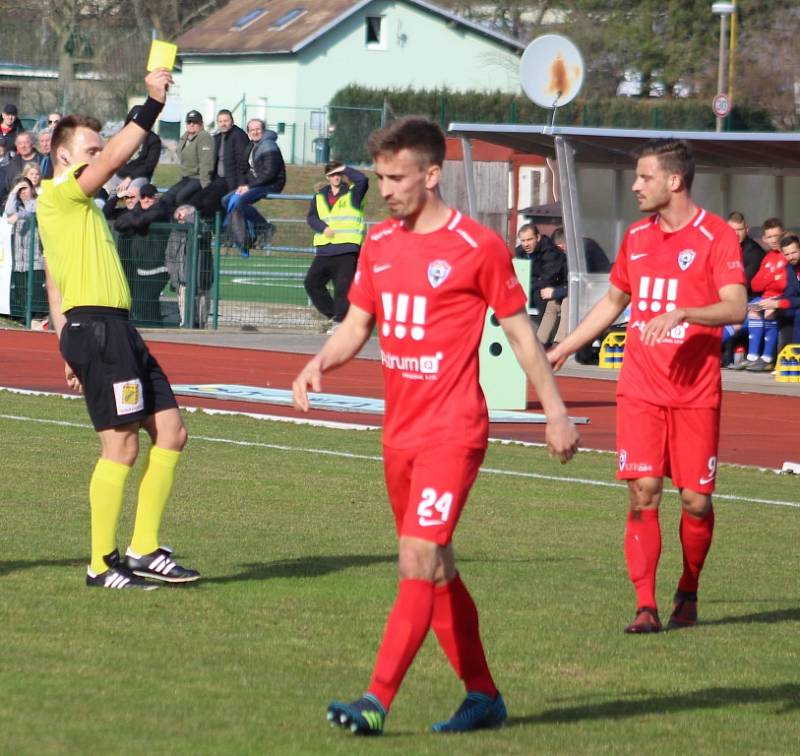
x,y
297,551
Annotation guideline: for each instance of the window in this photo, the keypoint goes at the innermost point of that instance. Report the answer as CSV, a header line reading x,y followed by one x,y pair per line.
x,y
288,18
374,28
248,19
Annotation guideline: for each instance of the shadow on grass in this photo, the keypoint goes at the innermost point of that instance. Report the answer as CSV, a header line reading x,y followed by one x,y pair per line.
x,y
767,618
787,694
303,567
18,565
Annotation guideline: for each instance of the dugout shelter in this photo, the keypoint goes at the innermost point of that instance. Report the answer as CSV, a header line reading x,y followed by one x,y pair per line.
x,y
755,173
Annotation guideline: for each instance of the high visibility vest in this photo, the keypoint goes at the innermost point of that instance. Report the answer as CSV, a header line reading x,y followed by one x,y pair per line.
x,y
344,218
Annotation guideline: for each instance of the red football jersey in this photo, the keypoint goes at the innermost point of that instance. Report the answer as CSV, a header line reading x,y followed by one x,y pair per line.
x,y
662,271
429,293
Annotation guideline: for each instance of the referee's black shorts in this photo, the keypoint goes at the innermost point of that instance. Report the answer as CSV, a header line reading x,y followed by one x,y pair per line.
x,y
122,382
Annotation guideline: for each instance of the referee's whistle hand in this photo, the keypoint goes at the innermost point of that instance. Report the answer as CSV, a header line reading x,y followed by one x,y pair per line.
x,y
157,83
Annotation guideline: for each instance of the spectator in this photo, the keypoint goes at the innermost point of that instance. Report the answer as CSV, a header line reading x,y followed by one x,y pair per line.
x,y
266,175
553,327
25,154
752,254
547,263
43,147
139,169
231,168
5,158
789,303
336,214
142,251
767,284
53,119
196,155
20,208
176,262
10,126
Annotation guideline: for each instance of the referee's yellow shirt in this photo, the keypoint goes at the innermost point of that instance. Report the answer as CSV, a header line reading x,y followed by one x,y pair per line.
x,y
77,242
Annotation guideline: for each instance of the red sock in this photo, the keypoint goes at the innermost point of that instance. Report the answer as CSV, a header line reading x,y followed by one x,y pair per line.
x,y
642,552
455,622
406,628
696,534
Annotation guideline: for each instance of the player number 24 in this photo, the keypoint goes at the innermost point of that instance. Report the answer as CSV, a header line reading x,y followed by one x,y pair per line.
x,y
432,501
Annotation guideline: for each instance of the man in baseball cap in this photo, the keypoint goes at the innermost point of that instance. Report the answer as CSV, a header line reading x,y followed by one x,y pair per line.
x,y
10,125
196,155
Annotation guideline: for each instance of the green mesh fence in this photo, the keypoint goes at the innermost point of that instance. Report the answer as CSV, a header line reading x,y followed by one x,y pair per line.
x,y
194,276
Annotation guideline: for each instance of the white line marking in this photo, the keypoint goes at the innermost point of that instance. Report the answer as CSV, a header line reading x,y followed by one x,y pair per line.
x,y
377,458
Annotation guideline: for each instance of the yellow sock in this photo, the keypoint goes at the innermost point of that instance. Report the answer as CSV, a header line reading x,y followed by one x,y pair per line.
x,y
154,490
106,490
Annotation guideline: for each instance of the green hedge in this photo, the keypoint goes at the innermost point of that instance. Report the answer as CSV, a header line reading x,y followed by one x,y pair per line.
x,y
353,126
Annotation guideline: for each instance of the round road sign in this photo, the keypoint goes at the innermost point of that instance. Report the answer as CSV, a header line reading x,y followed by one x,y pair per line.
x,y
721,105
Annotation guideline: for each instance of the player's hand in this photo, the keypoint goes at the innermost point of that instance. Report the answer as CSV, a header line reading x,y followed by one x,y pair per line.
x,y
546,292
562,438
72,379
329,232
310,377
557,356
157,83
242,189
659,327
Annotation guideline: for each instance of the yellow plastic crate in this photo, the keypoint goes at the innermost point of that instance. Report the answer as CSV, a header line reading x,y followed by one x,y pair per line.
x,y
612,350
787,367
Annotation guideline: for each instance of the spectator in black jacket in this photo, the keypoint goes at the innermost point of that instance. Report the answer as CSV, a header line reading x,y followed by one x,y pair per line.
x,y
142,251
10,126
266,175
547,265
231,148
140,168
752,254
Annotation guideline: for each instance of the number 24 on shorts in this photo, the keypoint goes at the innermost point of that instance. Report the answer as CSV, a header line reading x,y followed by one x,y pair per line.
x,y
431,501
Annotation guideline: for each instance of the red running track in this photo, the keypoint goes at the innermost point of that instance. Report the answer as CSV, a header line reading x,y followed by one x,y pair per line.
x,y
757,429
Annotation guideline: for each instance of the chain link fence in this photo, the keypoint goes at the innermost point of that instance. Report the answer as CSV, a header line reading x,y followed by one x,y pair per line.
x,y
194,276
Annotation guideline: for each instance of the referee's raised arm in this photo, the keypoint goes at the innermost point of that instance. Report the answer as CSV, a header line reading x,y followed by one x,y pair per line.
x,y
123,144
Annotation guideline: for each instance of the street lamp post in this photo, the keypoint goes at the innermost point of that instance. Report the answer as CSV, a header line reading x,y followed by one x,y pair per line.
x,y
723,10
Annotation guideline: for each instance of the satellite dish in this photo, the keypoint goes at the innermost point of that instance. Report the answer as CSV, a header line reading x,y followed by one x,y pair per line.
x,y
551,71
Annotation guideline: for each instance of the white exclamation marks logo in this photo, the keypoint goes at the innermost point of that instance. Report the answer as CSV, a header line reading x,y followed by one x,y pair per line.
x,y
418,318
672,293
658,294
387,313
402,316
644,291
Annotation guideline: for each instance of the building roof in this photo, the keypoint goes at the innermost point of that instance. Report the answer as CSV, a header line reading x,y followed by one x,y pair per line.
x,y
264,27
775,152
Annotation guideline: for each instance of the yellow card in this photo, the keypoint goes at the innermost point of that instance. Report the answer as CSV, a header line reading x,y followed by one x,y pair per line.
x,y
162,55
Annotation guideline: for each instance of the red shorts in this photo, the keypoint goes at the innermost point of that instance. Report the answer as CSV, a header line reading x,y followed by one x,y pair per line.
x,y
428,488
680,442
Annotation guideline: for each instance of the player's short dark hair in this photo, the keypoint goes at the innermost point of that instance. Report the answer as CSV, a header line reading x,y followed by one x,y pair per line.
x,y
675,156
737,217
528,227
65,129
771,223
419,135
788,239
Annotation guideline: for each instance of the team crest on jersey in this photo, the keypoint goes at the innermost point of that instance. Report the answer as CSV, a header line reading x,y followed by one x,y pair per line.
x,y
623,459
438,271
686,258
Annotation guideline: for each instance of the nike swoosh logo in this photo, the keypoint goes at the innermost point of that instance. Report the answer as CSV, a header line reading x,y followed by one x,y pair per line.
x,y
380,268
706,481
636,257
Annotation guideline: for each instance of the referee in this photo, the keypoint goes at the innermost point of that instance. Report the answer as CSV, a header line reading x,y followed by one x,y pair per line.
x,y
124,387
